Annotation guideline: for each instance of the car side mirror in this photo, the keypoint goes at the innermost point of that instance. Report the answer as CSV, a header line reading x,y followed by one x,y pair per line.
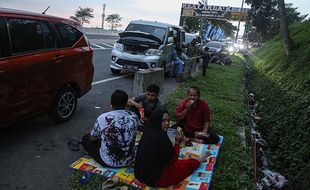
x,y
170,40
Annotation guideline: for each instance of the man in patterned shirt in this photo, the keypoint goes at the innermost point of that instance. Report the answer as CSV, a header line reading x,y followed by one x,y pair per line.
x,y
111,141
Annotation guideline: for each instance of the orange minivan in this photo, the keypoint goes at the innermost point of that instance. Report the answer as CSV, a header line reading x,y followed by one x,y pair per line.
x,y
45,66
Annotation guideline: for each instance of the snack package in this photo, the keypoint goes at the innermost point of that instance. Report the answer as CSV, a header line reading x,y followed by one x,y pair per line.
x,y
180,131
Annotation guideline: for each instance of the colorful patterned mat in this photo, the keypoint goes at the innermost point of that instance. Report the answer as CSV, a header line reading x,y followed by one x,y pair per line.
x,y
199,180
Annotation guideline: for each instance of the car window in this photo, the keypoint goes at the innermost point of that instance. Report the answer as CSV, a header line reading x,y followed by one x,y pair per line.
x,y
156,31
68,34
49,37
1,36
26,35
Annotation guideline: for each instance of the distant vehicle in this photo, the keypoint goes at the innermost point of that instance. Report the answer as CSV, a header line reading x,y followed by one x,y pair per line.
x,y
144,45
238,46
45,66
219,52
230,47
215,46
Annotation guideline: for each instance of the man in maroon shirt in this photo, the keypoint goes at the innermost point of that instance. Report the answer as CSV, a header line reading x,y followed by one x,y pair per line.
x,y
193,114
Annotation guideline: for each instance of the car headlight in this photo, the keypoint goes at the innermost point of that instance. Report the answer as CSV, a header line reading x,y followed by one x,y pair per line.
x,y
231,49
119,47
154,52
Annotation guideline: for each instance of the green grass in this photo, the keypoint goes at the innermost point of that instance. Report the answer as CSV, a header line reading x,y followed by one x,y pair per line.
x,y
225,92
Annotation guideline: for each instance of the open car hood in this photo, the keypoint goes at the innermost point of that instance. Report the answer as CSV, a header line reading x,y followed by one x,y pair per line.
x,y
139,34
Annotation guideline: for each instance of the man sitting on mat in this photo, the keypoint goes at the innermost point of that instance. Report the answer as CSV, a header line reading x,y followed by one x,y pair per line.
x,y
111,141
148,102
193,115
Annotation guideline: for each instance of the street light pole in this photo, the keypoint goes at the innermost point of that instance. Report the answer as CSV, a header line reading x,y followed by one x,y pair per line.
x,y
239,21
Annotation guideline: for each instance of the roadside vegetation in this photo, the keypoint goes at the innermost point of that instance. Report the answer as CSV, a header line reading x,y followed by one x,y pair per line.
x,y
282,87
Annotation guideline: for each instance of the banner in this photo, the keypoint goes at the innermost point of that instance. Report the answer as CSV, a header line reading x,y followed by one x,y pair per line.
x,y
214,12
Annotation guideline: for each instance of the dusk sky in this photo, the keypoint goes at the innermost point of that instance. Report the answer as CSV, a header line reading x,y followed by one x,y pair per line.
x,y
159,10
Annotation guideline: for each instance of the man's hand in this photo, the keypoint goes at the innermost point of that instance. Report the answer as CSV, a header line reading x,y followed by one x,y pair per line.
x,y
144,120
189,104
138,105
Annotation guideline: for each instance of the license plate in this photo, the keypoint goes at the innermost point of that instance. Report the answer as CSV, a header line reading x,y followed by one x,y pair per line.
x,y
130,67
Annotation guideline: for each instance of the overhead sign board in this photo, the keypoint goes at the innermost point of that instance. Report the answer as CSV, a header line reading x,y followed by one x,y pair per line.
x,y
214,12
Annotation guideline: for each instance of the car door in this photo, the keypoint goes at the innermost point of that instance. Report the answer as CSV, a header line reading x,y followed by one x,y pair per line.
x,y
4,72
30,69
70,59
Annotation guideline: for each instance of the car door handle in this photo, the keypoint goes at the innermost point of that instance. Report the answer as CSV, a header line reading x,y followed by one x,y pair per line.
x,y
58,58
2,72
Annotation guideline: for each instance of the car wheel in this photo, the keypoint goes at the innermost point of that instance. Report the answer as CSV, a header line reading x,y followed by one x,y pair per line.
x,y
64,105
115,71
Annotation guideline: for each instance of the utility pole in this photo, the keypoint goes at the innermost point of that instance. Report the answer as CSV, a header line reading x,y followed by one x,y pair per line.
x,y
284,27
103,16
239,21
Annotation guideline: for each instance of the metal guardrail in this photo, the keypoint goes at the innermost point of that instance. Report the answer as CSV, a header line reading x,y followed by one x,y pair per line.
x,y
100,31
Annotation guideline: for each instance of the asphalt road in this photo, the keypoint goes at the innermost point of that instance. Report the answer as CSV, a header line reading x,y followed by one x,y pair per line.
x,y
34,152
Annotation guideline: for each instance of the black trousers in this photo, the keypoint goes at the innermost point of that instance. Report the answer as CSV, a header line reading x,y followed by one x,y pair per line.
x,y
92,148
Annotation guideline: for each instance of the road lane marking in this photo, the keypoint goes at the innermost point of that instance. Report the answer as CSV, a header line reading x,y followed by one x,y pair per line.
x,y
99,46
110,79
107,45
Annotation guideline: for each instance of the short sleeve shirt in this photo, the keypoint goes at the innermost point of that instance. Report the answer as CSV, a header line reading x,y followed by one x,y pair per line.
x,y
195,117
117,129
149,107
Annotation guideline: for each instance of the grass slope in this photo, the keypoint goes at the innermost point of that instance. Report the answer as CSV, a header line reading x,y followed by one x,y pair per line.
x,y
282,86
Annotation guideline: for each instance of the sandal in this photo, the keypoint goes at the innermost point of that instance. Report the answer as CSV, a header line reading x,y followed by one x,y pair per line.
x,y
110,183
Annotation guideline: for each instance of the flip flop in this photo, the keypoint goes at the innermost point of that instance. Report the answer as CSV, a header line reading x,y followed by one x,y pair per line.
x,y
74,144
110,183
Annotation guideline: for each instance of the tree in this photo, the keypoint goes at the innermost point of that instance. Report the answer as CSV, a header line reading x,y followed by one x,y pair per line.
x,y
114,20
265,17
284,26
82,15
192,24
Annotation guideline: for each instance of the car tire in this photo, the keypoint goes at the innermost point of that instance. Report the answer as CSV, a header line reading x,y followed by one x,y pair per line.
x,y
64,105
115,71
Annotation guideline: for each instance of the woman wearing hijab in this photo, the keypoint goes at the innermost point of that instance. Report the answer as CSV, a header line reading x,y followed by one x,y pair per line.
x,y
157,162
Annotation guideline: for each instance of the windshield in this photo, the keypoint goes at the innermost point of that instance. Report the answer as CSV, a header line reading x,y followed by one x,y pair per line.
x,y
189,38
155,31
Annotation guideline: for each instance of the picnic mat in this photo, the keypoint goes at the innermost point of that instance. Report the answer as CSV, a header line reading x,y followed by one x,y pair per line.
x,y
200,179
